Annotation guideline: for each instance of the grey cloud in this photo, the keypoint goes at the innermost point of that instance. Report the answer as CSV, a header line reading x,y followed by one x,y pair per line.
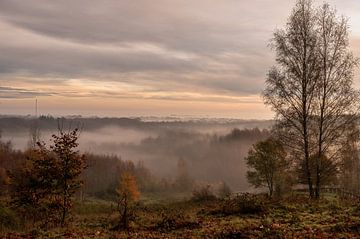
x,y
9,92
75,31
175,24
203,28
67,62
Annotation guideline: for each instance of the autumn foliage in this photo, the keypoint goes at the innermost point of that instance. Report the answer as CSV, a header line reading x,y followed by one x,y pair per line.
x,y
128,193
43,188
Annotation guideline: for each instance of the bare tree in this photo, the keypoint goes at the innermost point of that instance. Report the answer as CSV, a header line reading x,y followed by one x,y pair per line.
x,y
336,99
291,86
311,89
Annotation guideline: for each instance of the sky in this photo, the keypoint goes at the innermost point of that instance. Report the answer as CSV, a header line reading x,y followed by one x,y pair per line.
x,y
203,58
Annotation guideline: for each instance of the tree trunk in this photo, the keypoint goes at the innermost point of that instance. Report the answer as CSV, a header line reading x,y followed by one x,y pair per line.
x,y
63,217
308,172
124,224
305,102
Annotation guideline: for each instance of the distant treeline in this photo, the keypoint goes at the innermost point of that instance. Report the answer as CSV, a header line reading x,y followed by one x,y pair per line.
x,y
17,123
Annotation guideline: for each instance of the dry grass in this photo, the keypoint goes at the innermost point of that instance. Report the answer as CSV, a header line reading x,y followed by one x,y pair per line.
x,y
295,217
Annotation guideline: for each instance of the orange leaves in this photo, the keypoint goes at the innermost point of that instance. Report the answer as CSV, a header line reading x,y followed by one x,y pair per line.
x,y
128,187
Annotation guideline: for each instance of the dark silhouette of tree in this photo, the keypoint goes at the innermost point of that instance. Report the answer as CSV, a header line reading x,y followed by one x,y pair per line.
x,y
329,170
267,163
336,99
311,89
290,87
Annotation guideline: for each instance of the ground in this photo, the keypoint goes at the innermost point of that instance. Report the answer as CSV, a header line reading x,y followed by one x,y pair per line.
x,y
246,216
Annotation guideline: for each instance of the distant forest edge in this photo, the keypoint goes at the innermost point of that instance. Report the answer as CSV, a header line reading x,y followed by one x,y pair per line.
x,y
15,123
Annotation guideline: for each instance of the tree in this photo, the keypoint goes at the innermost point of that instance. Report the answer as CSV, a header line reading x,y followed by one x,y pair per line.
x,y
329,170
33,189
128,193
70,165
267,163
336,99
290,87
47,182
311,89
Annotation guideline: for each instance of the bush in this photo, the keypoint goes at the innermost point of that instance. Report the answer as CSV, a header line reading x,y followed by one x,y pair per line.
x,y
224,191
8,219
203,193
244,204
175,220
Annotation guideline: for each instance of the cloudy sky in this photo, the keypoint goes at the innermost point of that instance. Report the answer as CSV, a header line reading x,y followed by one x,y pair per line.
x,y
143,57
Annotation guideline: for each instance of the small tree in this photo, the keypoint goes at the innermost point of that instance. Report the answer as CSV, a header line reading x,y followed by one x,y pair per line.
x,y
203,193
49,179
70,166
128,193
32,188
267,161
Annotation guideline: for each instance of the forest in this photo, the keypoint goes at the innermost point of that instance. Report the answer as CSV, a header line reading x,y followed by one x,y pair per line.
x,y
296,176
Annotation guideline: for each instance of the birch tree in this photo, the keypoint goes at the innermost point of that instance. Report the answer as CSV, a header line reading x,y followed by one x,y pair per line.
x,y
291,85
336,104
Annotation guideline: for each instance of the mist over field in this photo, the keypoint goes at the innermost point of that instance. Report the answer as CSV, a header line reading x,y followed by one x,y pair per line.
x,y
213,149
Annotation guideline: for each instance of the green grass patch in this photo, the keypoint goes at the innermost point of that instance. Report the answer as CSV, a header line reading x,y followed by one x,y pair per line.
x,y
8,219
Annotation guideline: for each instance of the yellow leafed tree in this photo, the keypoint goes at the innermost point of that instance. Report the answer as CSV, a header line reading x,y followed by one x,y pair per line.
x,y
128,193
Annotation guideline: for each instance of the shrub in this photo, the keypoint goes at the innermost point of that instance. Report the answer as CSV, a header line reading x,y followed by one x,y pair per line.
x,y
173,220
244,204
224,191
203,193
8,219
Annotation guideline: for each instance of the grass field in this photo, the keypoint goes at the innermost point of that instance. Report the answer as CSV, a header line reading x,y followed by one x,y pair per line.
x,y
246,216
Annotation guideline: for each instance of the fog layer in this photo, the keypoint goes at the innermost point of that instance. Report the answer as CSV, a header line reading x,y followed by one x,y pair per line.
x,y
213,150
